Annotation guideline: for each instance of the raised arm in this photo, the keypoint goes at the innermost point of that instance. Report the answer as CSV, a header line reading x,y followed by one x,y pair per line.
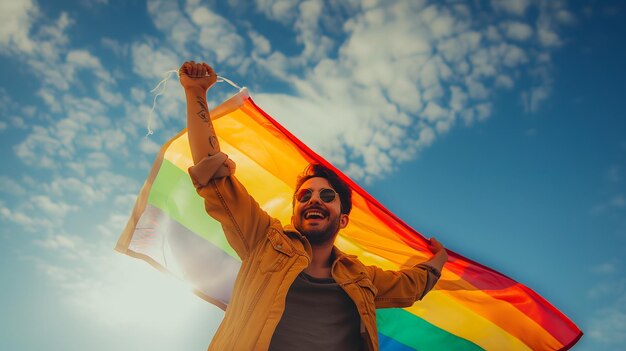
x,y
196,79
225,198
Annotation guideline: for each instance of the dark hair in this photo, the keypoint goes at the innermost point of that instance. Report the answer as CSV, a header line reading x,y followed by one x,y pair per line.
x,y
317,170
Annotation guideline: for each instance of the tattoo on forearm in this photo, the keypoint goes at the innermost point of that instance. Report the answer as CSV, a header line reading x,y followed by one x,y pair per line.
x,y
213,142
203,113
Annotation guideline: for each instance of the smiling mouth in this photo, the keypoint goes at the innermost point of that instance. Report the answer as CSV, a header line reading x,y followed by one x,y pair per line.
x,y
314,214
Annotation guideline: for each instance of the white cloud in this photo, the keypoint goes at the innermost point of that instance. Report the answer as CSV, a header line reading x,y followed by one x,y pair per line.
x,y
150,62
93,3
280,10
58,241
97,161
38,141
109,182
30,222
456,48
18,122
52,39
517,30
402,82
63,142
49,98
149,146
113,226
504,81
434,112
605,268
565,16
217,35
45,47
316,45
608,325
483,110
83,59
16,19
195,28
261,44
608,328
118,48
11,186
53,208
70,186
514,56
168,17
125,201
516,7
425,138
29,110
546,26
618,201
534,97
548,37
113,140
399,84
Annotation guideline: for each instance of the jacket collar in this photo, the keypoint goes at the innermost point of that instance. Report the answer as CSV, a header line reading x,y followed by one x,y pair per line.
x,y
290,230
339,255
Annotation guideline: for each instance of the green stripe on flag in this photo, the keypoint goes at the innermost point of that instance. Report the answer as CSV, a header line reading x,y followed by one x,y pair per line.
x,y
411,330
173,193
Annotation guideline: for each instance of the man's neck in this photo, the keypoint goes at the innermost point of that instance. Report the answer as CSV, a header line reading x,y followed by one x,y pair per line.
x,y
321,260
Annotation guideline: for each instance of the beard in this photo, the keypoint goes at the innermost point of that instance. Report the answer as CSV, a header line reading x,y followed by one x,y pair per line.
x,y
318,236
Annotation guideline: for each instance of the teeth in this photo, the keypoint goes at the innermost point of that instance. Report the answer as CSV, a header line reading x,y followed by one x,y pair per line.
x,y
314,213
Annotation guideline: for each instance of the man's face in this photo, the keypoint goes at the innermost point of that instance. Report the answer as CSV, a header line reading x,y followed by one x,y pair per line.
x,y
317,220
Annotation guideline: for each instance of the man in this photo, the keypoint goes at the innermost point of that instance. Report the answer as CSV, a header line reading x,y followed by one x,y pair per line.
x,y
295,290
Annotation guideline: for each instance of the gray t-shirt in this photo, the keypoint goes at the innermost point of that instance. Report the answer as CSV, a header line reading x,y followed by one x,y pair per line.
x,y
318,316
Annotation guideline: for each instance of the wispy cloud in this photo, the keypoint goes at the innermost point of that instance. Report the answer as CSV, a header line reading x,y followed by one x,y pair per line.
x,y
607,326
444,65
440,67
605,268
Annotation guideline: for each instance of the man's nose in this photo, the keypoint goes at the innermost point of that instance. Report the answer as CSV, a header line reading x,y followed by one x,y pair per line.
x,y
315,198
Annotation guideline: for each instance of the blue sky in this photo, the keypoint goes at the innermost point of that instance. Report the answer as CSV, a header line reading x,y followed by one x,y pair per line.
x,y
497,127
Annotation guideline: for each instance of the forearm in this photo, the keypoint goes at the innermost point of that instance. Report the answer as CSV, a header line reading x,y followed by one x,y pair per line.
x,y
202,138
438,260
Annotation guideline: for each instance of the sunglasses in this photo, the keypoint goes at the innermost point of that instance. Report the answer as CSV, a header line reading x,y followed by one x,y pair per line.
x,y
327,195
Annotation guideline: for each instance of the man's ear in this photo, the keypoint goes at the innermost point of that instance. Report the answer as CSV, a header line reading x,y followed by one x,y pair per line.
x,y
343,220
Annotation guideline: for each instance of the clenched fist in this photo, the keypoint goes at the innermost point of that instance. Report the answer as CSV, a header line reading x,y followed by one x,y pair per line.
x,y
196,76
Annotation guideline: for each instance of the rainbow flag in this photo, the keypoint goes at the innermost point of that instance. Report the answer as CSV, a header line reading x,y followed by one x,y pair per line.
x,y
472,306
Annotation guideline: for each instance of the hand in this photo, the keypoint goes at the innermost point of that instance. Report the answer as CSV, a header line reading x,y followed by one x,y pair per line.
x,y
440,256
196,76
435,246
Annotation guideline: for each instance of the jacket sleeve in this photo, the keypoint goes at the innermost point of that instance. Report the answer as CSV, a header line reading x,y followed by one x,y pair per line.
x,y
225,199
403,287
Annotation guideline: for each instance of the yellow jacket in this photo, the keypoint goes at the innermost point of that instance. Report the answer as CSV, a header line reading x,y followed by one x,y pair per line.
x,y
272,257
